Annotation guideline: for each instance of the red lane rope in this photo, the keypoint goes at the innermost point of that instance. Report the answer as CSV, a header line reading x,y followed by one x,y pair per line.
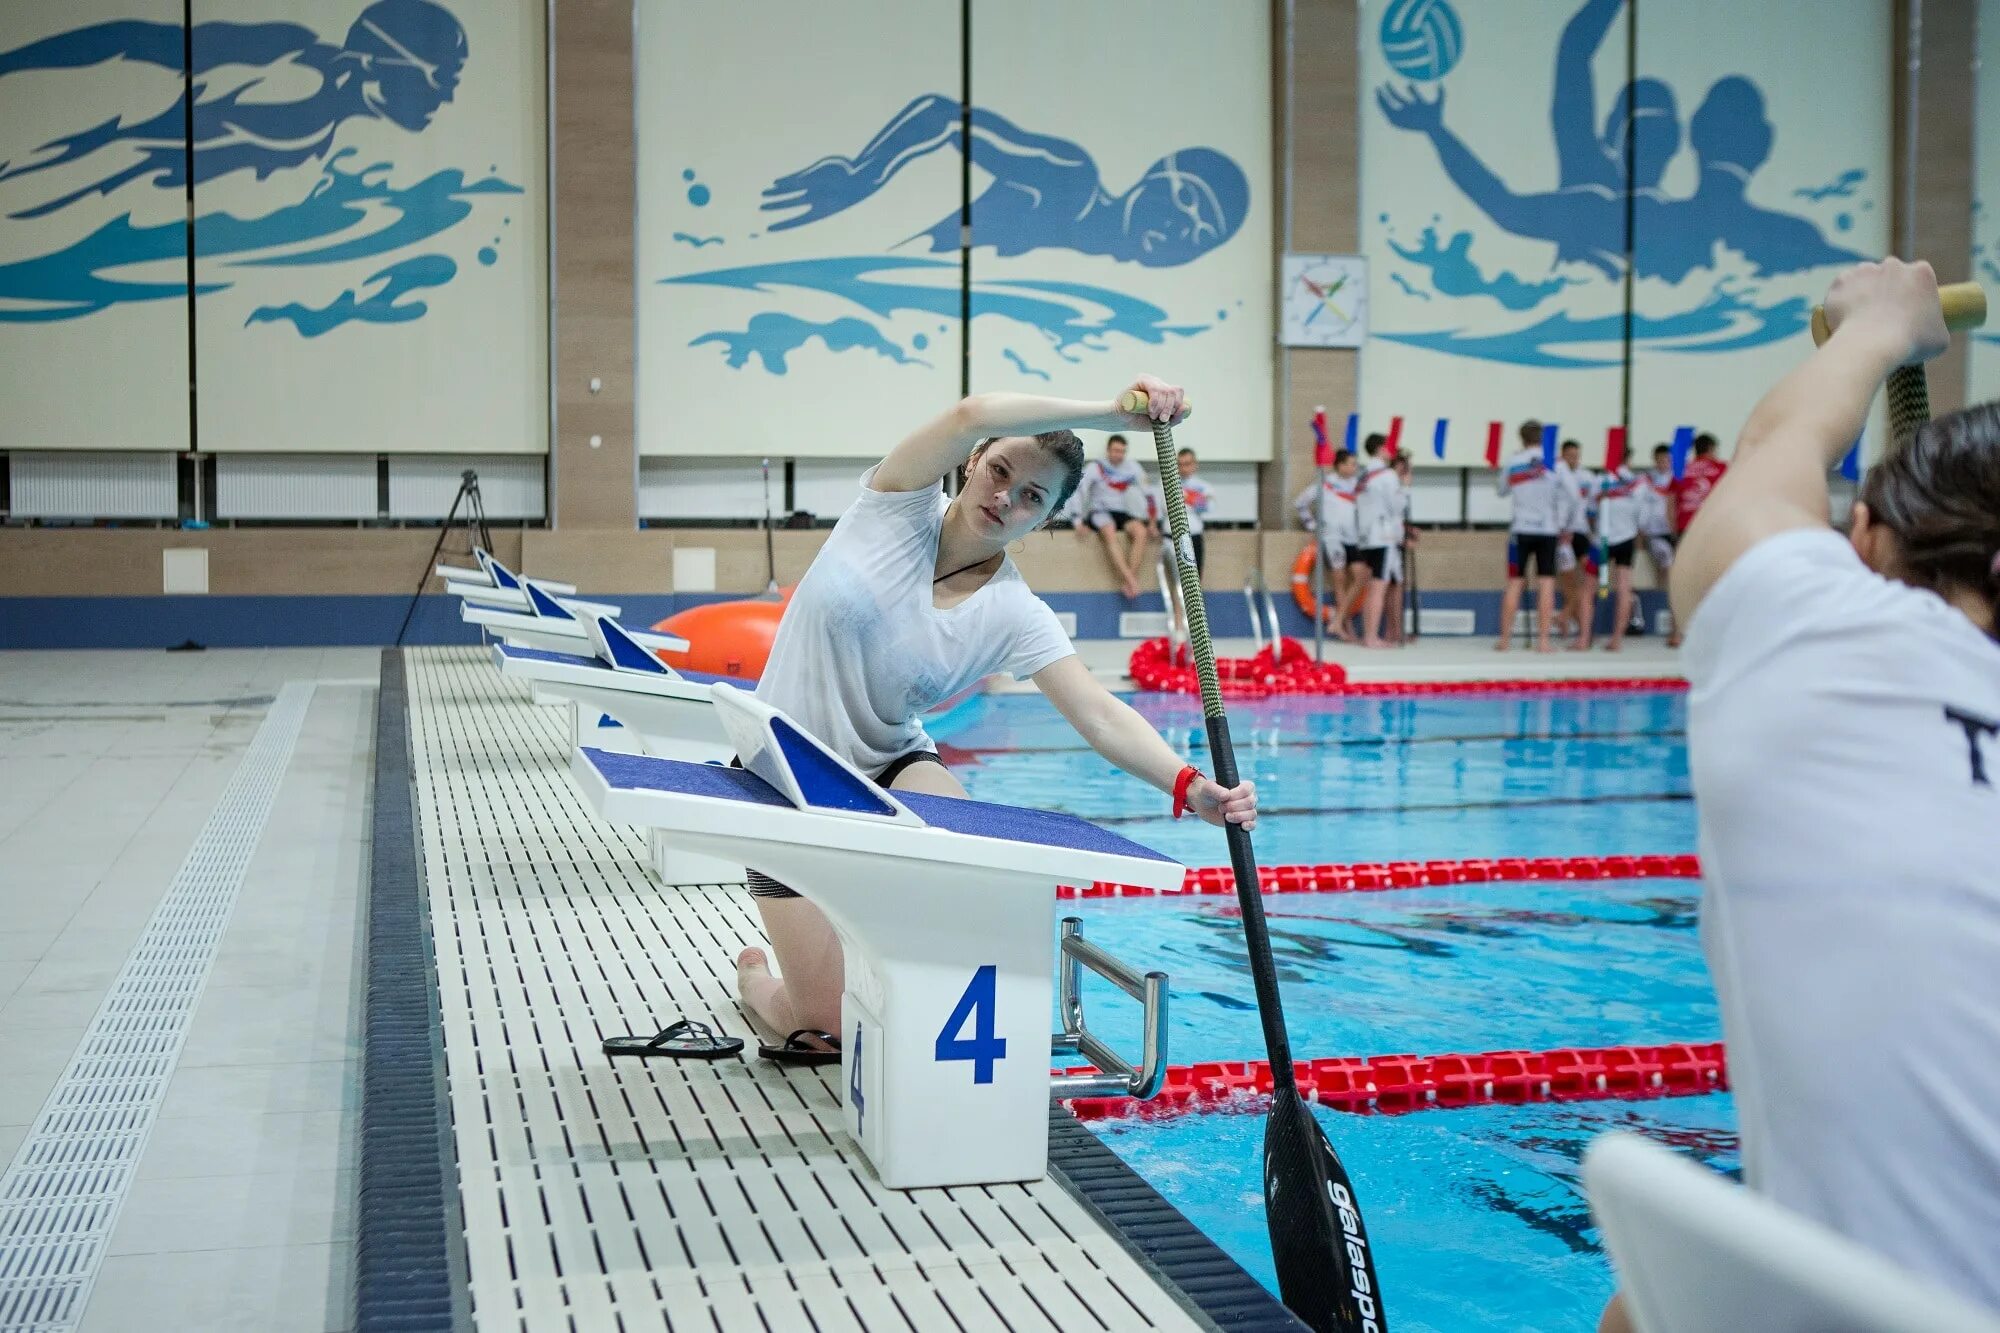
x,y
1375,876
1393,1084
1289,670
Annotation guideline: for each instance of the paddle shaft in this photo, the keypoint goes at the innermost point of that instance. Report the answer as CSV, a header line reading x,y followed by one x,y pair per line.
x,y
1319,1244
1222,754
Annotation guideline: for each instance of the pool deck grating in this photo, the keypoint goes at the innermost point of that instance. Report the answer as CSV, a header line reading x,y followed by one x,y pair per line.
x,y
689,1195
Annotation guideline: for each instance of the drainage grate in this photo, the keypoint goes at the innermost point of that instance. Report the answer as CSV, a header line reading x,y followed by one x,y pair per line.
x,y
659,1195
60,1198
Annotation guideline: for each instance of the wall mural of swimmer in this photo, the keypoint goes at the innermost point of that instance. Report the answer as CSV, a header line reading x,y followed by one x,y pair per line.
x,y
349,178
822,255
1503,152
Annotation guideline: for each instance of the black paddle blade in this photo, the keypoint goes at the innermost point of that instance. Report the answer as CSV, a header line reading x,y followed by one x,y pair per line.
x,y
1326,1272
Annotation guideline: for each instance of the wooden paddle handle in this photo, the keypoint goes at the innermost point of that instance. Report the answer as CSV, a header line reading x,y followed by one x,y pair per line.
x,y
1134,401
1964,305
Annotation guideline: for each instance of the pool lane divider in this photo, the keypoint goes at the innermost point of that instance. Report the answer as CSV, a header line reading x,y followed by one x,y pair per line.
x,y
1396,1084
1377,876
1292,671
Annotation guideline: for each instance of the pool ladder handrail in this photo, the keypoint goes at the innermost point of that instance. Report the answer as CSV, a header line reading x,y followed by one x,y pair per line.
x,y
1119,1078
1168,570
1265,627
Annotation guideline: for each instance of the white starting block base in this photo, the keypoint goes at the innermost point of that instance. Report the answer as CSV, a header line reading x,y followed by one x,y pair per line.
x,y
945,910
668,715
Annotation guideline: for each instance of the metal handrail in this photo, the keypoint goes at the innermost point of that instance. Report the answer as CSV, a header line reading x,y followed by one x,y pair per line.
x,y
1275,626
1256,616
1119,1078
1168,575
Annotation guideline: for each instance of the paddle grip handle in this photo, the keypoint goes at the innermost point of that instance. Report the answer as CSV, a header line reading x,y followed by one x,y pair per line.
x,y
1963,304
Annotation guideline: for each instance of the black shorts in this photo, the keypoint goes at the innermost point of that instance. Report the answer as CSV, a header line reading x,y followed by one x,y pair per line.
x,y
1536,549
1621,553
1200,551
1579,545
1375,557
762,885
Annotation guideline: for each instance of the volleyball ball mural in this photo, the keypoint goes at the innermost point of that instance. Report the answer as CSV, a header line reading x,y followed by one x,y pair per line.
x,y
1421,39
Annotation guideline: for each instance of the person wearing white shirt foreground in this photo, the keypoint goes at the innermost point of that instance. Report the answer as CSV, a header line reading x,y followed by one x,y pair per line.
x,y
912,600
1844,743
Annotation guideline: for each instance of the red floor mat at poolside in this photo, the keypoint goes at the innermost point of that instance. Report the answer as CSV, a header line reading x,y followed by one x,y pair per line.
x,y
1290,670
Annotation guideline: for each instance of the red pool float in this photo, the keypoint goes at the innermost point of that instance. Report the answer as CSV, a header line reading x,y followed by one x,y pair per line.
x,y
726,638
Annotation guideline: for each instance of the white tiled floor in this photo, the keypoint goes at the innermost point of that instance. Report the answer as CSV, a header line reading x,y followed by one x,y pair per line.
x,y
241,1216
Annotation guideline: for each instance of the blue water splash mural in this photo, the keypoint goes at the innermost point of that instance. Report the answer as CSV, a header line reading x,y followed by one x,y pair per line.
x,y
1453,273
382,306
1726,319
399,62
1714,231
771,337
697,241
1072,317
1021,365
1842,186
1404,283
1042,193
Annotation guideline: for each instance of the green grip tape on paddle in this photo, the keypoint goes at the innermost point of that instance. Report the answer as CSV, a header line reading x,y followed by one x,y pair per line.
x,y
1192,605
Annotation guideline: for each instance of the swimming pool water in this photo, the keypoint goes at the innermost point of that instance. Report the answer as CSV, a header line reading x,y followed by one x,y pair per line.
x,y
1476,1215
1472,967
1368,779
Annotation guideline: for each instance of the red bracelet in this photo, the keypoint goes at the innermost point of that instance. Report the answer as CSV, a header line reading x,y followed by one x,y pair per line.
x,y
1181,785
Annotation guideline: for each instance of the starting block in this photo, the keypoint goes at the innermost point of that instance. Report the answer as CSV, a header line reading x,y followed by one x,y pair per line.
x,y
546,623
651,708
490,575
946,911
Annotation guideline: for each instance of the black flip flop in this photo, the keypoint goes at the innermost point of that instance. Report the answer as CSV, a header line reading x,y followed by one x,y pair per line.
x,y
682,1040
807,1046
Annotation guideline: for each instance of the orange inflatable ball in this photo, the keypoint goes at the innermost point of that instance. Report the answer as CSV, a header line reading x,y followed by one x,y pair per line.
x,y
726,638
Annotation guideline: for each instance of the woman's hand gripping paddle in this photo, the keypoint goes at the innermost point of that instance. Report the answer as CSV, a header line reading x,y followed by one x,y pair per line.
x,y
1326,1272
1964,307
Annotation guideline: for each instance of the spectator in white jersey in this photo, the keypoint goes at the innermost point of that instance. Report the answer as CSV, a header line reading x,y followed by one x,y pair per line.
x,y
1618,502
1112,500
1576,611
1528,485
1378,514
1197,496
1399,548
1656,523
1844,746
1338,536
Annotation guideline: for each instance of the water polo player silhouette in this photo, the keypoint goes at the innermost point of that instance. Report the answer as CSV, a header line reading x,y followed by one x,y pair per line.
x,y
1584,216
400,62
1045,192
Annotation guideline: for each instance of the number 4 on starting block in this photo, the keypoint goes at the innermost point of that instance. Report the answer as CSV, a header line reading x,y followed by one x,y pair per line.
x,y
982,1048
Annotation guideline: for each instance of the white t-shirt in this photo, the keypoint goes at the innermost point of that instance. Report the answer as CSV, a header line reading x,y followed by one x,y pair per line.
x,y
1537,500
1654,488
1113,488
1378,505
1850,844
1618,504
1337,493
1195,498
862,652
1574,508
